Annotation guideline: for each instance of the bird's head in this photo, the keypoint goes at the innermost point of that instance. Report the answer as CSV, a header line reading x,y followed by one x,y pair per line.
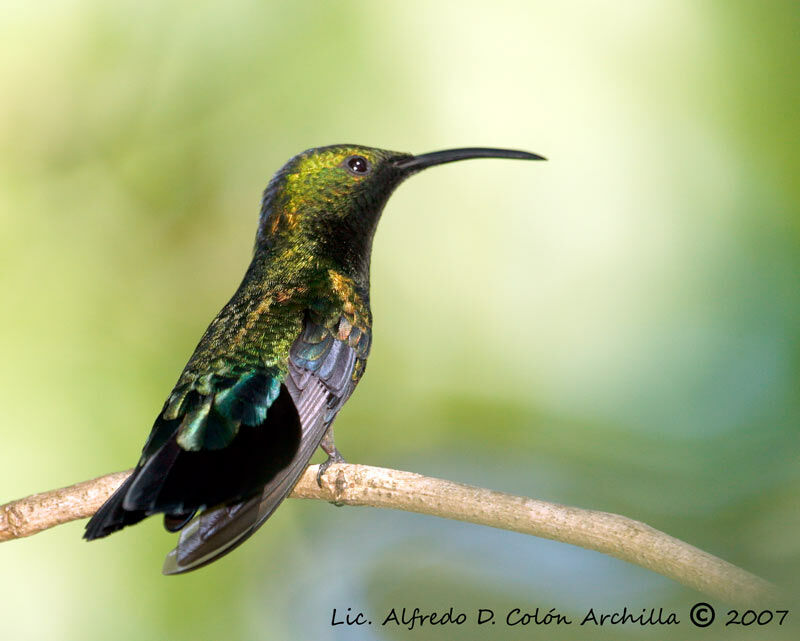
x,y
329,199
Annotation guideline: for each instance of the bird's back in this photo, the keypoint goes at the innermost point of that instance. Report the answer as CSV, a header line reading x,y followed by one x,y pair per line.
x,y
250,408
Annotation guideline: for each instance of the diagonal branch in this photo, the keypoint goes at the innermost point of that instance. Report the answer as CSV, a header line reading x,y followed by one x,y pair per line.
x,y
347,484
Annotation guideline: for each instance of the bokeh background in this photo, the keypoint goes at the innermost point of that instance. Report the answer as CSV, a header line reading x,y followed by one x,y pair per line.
x,y
616,329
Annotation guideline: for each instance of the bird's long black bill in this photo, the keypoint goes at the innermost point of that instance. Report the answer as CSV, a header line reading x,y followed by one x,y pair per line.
x,y
415,163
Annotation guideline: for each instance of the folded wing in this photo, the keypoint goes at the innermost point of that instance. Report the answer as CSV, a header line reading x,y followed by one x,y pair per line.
x,y
324,367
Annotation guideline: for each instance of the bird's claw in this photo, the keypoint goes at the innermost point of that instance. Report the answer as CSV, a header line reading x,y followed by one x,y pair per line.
x,y
333,457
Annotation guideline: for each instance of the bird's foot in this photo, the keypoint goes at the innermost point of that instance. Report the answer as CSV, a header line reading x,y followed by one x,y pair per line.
x,y
334,456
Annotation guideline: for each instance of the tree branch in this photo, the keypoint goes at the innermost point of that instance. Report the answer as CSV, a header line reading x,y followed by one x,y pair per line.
x,y
346,484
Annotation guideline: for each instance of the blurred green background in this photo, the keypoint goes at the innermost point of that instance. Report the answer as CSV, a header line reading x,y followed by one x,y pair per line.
x,y
618,328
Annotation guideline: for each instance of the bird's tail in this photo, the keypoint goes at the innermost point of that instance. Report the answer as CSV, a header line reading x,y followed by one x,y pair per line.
x,y
111,516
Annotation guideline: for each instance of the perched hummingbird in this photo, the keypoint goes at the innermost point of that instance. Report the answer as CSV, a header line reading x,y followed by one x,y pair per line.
x,y
265,383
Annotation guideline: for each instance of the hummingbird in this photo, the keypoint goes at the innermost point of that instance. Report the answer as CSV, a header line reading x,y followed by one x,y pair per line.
x,y
261,391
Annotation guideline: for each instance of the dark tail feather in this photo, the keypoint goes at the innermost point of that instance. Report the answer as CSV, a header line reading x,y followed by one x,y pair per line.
x,y
220,530
177,521
111,516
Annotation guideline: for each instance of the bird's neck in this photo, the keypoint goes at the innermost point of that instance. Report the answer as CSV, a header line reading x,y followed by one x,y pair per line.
x,y
308,243
314,263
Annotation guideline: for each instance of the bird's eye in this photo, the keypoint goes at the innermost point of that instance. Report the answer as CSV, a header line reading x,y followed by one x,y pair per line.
x,y
357,165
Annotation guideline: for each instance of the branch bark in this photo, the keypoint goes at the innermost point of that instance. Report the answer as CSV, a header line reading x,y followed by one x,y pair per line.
x,y
346,484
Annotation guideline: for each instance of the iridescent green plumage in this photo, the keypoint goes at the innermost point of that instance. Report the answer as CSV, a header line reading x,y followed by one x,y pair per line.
x,y
261,390
297,269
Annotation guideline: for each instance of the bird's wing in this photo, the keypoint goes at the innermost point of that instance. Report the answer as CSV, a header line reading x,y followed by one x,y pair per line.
x,y
218,439
325,364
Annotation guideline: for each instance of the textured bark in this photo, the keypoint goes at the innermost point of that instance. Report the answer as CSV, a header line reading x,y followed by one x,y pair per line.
x,y
347,484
